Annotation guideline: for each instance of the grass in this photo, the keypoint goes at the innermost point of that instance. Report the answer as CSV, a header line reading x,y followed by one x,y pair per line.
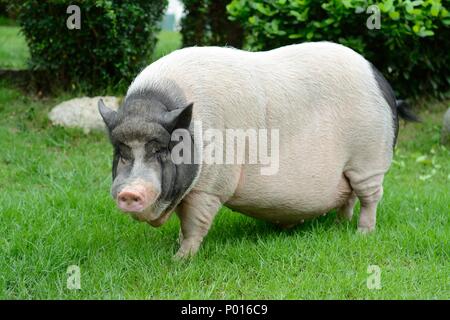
x,y
56,211
13,47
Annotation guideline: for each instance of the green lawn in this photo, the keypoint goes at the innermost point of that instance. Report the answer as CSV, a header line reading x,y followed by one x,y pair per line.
x,y
13,47
167,42
56,211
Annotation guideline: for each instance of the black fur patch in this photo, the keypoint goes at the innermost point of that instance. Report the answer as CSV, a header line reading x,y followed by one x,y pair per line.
x,y
389,96
115,162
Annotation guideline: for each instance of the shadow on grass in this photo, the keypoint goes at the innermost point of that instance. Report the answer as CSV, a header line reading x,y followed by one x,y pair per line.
x,y
233,227
230,230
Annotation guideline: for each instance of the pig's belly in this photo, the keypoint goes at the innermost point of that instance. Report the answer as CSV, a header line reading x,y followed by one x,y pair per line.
x,y
289,200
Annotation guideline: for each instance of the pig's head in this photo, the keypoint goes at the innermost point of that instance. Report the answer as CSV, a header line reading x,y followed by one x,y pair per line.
x,y
146,182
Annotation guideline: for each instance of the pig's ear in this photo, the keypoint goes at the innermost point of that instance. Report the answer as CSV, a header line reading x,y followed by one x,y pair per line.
x,y
108,115
179,118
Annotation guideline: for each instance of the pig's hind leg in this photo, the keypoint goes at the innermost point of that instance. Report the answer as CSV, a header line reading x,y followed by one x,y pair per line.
x,y
369,190
345,212
196,214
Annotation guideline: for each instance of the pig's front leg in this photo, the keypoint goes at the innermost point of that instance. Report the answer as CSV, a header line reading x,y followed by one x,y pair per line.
x,y
196,214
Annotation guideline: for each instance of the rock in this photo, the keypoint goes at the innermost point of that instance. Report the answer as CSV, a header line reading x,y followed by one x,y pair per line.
x,y
81,113
445,135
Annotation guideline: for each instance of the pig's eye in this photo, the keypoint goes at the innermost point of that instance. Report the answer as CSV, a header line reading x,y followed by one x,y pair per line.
x,y
123,159
124,154
153,147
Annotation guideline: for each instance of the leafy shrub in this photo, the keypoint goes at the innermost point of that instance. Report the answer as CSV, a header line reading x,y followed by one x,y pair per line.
x,y
206,23
8,9
115,40
411,48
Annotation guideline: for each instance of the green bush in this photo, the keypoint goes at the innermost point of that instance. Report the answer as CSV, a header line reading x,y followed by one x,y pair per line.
x,y
8,9
206,23
114,42
411,48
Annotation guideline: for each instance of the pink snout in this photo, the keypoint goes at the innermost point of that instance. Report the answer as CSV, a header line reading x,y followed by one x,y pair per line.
x,y
135,198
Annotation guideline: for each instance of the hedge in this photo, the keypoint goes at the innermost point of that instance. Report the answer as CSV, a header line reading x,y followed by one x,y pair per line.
x,y
206,22
411,48
115,40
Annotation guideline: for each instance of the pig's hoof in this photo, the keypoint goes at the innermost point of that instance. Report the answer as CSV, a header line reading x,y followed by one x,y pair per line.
x,y
365,229
178,257
182,255
186,251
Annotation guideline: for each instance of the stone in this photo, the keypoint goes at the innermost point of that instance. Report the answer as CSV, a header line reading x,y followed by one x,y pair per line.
x,y
82,113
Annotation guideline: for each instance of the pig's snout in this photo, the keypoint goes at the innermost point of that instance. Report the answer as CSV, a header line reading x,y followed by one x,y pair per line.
x,y
135,198
131,201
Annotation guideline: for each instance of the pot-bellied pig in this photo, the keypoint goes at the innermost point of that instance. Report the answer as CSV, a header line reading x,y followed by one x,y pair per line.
x,y
326,116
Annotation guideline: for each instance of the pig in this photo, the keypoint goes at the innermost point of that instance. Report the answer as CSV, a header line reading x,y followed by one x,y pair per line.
x,y
337,122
